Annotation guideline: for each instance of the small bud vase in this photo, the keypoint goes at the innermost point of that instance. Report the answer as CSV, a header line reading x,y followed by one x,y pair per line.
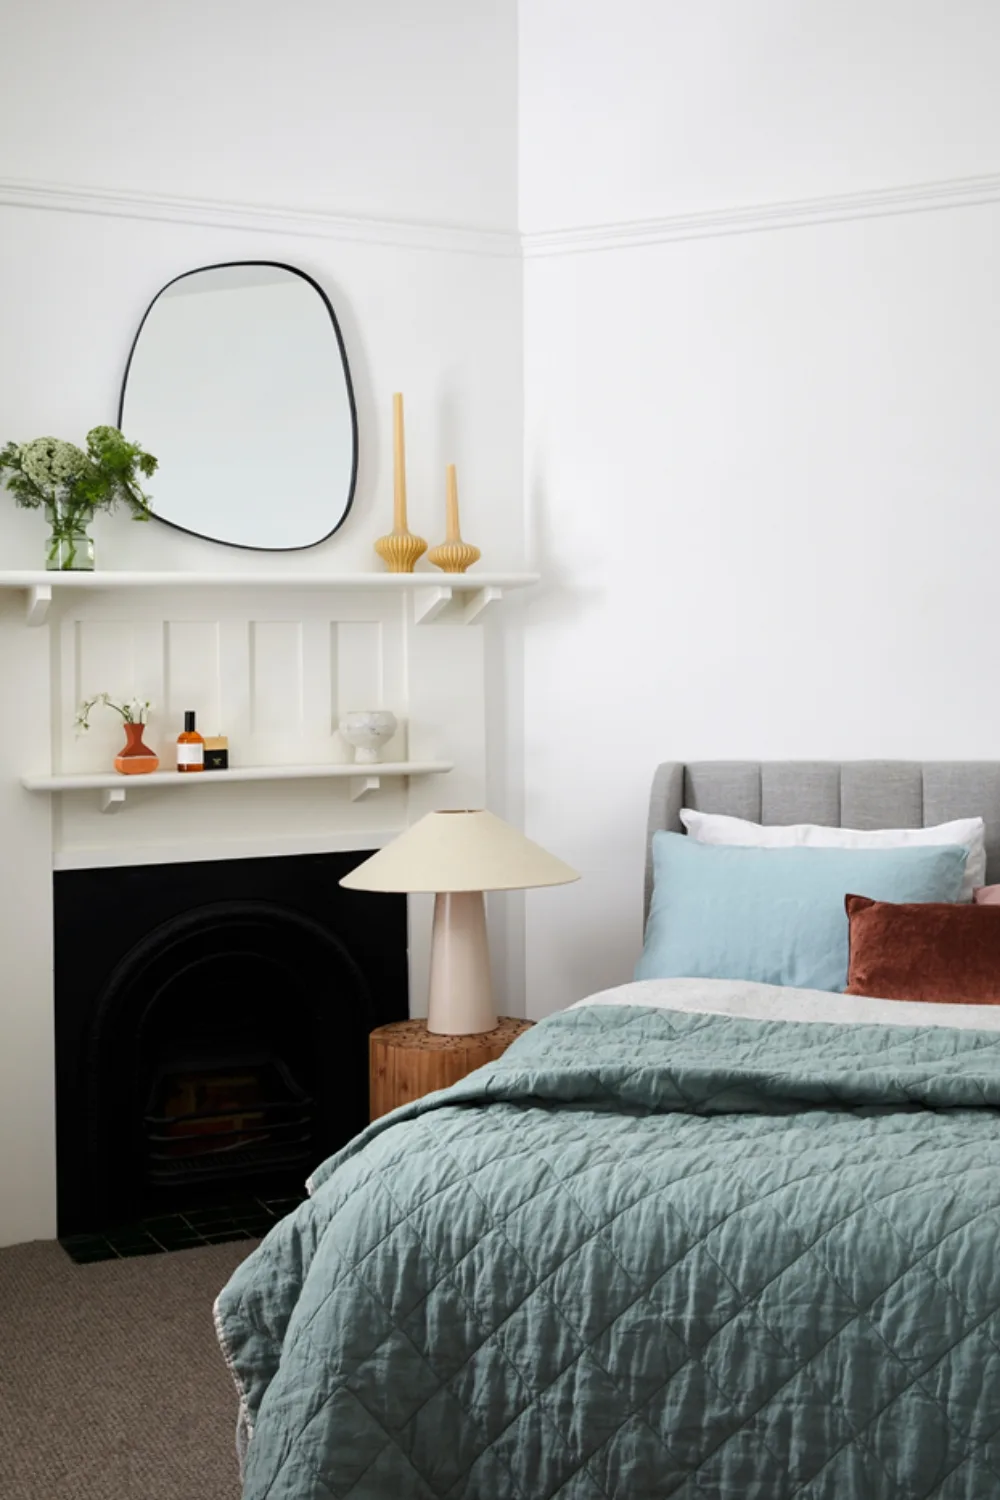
x,y
366,731
68,547
135,758
453,555
400,549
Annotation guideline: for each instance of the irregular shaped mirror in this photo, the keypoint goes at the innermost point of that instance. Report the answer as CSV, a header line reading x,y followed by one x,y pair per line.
x,y
238,382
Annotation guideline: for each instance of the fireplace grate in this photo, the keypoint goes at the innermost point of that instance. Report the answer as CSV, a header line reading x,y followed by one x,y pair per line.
x,y
242,1117
247,1160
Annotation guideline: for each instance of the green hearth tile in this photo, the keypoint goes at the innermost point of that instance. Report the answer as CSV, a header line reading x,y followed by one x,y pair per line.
x,y
95,1250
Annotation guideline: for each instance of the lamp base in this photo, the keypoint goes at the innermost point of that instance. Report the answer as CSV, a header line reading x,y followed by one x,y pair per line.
x,y
460,1001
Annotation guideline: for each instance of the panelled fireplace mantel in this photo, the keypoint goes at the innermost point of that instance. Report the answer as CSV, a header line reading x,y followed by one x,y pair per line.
x,y
459,596
271,661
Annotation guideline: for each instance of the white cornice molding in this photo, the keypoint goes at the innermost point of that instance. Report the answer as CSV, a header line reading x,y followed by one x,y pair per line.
x,y
960,192
259,219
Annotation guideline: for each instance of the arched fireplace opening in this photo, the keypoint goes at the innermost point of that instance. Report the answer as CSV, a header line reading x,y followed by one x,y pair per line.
x,y
221,1049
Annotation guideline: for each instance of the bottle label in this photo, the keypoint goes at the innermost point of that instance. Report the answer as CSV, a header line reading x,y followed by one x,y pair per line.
x,y
190,755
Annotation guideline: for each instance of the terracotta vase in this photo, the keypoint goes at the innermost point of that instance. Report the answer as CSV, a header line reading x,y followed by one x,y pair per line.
x,y
135,759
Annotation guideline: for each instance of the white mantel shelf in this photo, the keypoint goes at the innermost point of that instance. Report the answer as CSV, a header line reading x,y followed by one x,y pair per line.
x,y
114,788
464,596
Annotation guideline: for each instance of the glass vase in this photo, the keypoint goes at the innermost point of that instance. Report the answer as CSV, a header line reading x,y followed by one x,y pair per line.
x,y
68,547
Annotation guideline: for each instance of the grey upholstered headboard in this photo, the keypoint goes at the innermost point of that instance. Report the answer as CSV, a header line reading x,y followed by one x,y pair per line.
x,y
841,794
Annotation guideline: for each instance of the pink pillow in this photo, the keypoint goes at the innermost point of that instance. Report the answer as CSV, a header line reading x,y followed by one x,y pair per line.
x,y
987,895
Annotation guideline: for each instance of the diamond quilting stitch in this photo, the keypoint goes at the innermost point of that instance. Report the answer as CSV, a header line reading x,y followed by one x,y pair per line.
x,y
794,1182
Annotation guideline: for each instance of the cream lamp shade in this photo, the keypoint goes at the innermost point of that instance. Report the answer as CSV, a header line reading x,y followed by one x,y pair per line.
x,y
460,851
458,855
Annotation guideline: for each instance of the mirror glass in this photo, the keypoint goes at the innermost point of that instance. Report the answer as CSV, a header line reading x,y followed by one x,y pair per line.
x,y
238,383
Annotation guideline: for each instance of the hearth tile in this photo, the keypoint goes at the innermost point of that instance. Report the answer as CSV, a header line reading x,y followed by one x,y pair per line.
x,y
205,1218
258,1227
81,1241
214,1225
134,1242
240,1219
280,1207
223,1232
154,1226
84,1249
175,1236
240,1207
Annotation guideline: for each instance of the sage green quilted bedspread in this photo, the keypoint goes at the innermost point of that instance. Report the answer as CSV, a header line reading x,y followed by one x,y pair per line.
x,y
645,1254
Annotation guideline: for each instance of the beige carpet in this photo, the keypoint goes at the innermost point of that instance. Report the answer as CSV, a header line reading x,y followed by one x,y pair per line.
x,y
112,1386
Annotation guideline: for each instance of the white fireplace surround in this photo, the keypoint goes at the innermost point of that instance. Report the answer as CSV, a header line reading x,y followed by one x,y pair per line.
x,y
272,662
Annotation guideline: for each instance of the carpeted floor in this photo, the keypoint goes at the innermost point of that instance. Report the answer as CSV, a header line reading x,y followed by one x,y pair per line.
x,y
112,1386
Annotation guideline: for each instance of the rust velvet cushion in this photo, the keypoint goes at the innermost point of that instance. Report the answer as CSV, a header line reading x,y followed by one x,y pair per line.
x,y
924,951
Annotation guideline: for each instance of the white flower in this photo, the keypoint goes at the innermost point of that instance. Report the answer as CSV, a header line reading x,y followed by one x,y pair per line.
x,y
50,462
82,723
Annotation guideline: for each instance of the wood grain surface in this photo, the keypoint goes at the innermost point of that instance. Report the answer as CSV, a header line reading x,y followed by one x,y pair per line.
x,y
407,1061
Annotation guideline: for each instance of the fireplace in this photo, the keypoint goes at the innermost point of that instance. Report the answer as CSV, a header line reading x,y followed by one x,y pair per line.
x,y
211,1029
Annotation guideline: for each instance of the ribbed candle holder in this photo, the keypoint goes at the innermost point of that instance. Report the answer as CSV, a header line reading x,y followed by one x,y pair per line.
x,y
453,555
400,549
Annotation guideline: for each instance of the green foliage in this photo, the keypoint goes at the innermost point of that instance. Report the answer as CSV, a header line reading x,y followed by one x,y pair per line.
x,y
135,711
74,483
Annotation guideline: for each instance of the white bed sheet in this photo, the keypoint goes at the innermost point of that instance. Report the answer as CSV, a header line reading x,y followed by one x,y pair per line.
x,y
772,1002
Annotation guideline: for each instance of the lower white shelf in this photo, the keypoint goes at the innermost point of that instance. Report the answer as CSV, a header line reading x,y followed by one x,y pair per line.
x,y
114,788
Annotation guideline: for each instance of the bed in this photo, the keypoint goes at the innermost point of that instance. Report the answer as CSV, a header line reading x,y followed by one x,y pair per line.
x,y
689,1237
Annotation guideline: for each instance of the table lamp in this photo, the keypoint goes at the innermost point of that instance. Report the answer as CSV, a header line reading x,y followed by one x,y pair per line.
x,y
458,855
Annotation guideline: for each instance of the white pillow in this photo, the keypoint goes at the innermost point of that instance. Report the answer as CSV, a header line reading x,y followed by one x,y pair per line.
x,y
970,833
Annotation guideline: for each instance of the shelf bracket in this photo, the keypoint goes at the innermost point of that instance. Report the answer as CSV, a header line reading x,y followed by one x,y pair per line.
x,y
37,608
480,602
113,799
361,786
428,603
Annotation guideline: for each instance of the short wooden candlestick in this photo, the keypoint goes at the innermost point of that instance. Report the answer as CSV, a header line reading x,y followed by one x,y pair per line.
x,y
453,555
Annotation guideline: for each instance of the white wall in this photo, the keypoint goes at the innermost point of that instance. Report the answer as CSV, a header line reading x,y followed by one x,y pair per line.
x,y
384,109
650,107
336,111
761,467
443,326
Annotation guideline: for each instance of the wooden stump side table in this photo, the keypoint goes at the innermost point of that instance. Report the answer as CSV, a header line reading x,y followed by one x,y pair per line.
x,y
406,1060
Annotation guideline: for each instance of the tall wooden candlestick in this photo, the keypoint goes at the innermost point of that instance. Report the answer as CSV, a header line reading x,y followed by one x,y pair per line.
x,y
452,533
453,555
398,465
400,549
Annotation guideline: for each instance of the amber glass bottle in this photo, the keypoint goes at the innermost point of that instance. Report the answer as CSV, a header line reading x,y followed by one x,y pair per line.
x,y
190,747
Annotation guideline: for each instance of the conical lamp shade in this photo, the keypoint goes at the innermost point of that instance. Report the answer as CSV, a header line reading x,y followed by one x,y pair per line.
x,y
460,851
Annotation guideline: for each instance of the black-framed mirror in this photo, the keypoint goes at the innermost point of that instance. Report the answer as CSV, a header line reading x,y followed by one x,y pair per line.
x,y
238,382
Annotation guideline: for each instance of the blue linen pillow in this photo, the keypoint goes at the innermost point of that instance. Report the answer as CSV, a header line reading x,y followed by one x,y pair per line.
x,y
776,916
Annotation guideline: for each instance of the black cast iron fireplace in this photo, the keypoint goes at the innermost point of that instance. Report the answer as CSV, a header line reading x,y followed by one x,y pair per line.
x,y
211,1029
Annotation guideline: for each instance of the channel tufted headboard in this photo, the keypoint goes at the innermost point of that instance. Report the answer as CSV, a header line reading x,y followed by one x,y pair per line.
x,y
841,794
